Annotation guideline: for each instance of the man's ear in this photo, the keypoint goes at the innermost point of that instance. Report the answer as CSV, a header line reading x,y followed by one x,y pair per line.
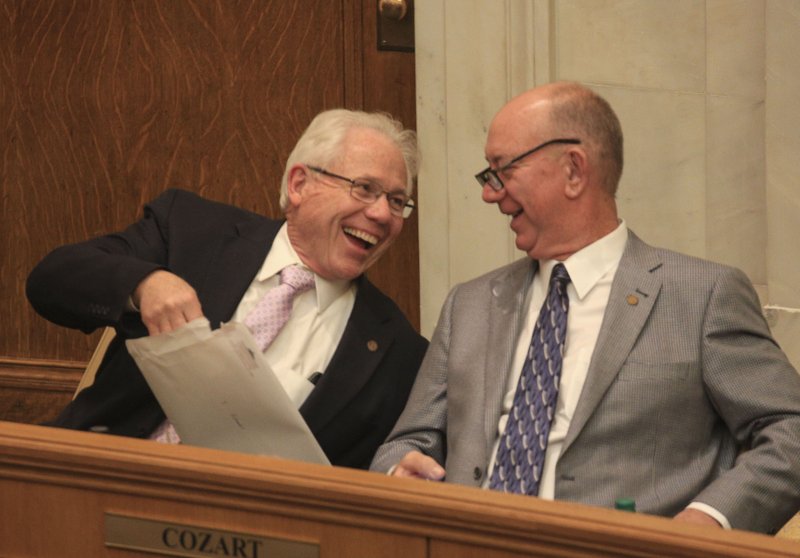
x,y
296,181
575,170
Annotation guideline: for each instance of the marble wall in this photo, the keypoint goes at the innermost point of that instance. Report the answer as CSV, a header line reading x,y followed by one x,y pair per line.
x,y
782,148
704,90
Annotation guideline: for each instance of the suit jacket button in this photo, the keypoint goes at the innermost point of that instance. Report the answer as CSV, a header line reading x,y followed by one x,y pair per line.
x,y
372,345
477,473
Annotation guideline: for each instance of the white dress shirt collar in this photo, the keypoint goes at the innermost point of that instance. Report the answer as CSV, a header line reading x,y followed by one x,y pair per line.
x,y
282,254
589,264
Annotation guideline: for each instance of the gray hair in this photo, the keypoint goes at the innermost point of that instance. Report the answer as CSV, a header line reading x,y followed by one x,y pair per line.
x,y
577,109
321,143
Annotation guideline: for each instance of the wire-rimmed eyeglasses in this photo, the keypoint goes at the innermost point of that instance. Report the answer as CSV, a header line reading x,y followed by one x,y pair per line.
x,y
491,176
400,204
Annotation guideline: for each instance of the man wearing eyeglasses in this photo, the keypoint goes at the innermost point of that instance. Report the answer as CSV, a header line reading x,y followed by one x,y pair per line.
x,y
347,355
599,367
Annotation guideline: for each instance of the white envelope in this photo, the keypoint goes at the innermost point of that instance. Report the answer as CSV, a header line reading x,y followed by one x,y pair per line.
x,y
219,392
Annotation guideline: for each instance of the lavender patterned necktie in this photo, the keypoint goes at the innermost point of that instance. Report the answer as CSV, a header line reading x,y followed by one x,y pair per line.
x,y
520,456
272,311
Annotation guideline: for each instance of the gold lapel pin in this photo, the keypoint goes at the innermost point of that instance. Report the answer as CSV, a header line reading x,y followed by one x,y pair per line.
x,y
372,345
632,299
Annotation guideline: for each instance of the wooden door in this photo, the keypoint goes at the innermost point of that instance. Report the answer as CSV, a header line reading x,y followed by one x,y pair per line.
x,y
104,104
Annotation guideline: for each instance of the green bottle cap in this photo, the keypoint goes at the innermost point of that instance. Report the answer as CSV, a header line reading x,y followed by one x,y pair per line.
x,y
625,504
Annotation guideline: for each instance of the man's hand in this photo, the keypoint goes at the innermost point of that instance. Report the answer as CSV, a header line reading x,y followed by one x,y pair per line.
x,y
166,302
697,517
416,465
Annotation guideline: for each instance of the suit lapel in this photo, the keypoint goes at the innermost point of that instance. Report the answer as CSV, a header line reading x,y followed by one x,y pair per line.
x,y
634,291
366,338
506,314
238,257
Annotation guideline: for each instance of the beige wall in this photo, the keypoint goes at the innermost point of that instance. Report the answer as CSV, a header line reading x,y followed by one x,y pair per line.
x,y
705,90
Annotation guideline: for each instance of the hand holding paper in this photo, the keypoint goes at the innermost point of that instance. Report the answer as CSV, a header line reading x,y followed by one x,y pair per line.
x,y
219,392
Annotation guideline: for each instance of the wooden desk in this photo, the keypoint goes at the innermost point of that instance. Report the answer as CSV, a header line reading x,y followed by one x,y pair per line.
x,y
58,487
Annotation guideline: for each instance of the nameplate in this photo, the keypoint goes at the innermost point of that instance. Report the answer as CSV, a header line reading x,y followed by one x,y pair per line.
x,y
174,539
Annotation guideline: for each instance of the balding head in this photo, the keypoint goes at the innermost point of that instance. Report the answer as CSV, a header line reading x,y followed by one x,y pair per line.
x,y
567,110
556,153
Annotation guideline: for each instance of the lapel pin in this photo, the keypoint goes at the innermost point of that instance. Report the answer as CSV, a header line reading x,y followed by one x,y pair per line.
x,y
632,299
372,345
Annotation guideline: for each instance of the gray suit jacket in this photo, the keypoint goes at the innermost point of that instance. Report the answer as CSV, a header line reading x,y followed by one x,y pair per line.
x,y
679,384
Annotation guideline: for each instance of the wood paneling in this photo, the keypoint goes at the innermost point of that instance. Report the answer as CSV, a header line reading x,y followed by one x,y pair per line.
x,y
104,104
35,391
349,513
388,85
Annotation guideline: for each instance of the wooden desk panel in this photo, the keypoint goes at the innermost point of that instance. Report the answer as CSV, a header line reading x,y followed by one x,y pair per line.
x,y
56,486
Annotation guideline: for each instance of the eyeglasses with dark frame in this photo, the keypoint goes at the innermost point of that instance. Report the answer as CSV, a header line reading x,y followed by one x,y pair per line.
x,y
400,205
491,176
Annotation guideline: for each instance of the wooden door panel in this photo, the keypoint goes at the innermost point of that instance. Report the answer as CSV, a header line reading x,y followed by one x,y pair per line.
x,y
389,85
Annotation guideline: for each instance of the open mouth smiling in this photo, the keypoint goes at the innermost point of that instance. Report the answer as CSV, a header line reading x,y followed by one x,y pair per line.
x,y
364,238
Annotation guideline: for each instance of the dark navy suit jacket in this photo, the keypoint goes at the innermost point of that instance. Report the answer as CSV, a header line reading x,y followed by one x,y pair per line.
x,y
218,249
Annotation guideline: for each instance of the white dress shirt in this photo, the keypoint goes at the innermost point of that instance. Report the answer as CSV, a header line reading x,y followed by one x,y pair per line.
x,y
309,339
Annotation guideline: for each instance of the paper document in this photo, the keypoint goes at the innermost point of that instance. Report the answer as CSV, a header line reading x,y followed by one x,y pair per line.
x,y
219,392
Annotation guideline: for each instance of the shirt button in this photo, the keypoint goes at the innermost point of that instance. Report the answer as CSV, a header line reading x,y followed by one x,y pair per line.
x,y
477,473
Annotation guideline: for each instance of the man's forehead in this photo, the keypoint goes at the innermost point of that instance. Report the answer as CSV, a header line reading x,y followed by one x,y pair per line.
x,y
503,140
515,127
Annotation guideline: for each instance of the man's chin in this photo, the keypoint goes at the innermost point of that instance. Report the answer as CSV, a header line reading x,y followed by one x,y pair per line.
x,y
350,272
355,266
531,252
523,246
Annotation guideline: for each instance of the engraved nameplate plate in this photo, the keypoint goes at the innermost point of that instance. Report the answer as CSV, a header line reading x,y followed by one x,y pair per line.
x,y
175,539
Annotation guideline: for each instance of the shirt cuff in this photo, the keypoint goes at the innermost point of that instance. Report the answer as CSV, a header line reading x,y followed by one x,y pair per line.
x,y
706,509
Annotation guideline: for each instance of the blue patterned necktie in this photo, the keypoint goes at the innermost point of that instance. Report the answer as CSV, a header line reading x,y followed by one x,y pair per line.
x,y
520,456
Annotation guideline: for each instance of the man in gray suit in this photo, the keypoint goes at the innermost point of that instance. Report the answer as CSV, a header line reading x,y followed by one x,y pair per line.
x,y
669,388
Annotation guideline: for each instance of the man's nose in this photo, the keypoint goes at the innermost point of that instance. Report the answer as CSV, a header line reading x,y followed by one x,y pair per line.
x,y
379,209
490,195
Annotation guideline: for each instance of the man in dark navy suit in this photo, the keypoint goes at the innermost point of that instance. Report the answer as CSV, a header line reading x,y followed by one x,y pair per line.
x,y
345,193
